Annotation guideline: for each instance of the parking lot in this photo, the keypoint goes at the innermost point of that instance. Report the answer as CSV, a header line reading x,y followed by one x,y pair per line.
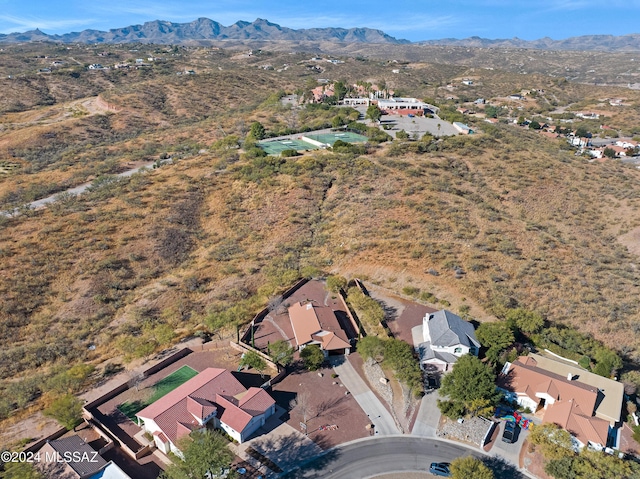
x,y
418,125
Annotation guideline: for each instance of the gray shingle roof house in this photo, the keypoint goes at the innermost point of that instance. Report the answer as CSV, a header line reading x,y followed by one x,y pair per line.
x,y
72,458
446,337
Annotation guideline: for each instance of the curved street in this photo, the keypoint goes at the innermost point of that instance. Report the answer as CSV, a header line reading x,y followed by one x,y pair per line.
x,y
380,455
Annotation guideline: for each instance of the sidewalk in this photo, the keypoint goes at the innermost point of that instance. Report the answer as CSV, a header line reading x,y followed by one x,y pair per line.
x,y
370,404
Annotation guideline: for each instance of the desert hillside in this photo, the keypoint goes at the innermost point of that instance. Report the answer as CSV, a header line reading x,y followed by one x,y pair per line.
x,y
502,219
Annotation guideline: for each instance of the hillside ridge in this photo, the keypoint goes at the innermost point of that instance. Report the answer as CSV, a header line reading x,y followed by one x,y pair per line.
x,y
164,32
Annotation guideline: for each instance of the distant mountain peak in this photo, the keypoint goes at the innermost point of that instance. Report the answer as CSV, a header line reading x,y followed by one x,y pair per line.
x,y
629,42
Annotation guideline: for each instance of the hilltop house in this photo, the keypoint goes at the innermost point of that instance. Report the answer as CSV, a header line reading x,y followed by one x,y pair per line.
x,y
318,325
585,404
213,398
446,337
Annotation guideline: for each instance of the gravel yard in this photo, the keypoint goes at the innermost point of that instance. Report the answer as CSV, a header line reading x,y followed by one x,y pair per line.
x,y
471,431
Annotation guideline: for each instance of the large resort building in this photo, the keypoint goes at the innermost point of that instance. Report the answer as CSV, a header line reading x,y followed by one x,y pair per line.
x,y
404,106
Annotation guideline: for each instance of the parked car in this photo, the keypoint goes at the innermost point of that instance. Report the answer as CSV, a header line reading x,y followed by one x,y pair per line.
x,y
432,382
509,433
440,469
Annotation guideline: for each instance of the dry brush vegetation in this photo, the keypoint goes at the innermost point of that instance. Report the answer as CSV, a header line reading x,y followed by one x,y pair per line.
x,y
499,220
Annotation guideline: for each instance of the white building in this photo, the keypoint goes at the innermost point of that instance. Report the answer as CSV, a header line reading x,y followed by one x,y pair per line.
x,y
214,397
446,337
405,105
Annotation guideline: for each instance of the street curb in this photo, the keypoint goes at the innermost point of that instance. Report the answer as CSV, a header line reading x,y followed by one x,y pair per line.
x,y
364,439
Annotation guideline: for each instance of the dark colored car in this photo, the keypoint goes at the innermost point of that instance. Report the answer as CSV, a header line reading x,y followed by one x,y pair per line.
x,y
440,469
509,433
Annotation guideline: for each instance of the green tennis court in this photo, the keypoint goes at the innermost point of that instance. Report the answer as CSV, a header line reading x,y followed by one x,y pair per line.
x,y
278,146
331,138
161,388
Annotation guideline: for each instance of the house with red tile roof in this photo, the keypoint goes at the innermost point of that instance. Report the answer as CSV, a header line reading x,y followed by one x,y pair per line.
x,y
314,324
215,399
586,405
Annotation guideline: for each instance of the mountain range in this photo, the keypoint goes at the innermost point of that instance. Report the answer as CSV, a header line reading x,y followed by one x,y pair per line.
x,y
204,30
582,43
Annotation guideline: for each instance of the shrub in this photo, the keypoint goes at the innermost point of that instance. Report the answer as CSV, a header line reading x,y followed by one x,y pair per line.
x,y
289,153
336,283
410,291
67,410
312,356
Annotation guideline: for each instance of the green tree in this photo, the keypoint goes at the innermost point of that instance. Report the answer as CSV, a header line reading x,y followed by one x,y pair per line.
x,y
402,135
534,125
281,352
204,452
229,142
607,362
67,410
339,90
553,441
253,360
257,131
336,283
337,121
470,387
373,113
497,337
563,468
529,322
469,467
399,356
369,311
491,111
582,132
609,152
596,464
312,356
371,347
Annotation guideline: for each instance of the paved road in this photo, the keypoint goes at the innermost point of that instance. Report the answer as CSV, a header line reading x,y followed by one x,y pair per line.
x,y
34,205
370,404
372,457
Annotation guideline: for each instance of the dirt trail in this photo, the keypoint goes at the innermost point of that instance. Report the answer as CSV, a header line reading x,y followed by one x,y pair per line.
x,y
61,112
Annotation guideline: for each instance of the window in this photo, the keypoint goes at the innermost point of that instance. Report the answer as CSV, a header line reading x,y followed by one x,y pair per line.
x,y
457,351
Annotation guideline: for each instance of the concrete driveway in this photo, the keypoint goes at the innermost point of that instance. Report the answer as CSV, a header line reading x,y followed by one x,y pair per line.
x,y
369,402
428,416
509,451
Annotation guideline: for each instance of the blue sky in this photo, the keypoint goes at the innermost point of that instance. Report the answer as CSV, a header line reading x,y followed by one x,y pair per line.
x,y
411,19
